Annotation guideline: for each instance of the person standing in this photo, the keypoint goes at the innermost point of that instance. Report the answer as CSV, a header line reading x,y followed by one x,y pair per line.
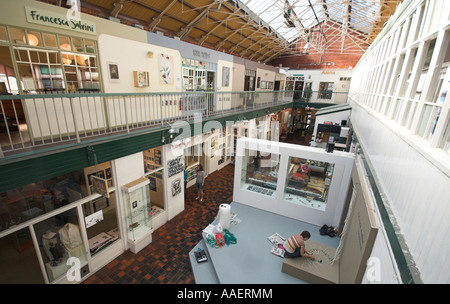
x,y
186,174
200,182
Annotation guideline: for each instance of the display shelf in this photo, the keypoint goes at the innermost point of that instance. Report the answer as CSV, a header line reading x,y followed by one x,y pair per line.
x,y
158,217
137,209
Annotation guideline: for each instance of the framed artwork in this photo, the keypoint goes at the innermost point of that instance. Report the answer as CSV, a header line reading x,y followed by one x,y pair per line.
x,y
141,79
165,69
113,71
176,187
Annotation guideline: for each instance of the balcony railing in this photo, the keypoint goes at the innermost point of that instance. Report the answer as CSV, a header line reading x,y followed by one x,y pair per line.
x,y
30,122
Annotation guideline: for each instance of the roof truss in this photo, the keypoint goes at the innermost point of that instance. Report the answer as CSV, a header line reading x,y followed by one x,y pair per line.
x,y
261,30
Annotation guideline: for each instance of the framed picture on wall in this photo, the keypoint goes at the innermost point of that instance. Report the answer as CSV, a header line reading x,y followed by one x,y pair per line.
x,y
141,79
165,69
113,71
176,187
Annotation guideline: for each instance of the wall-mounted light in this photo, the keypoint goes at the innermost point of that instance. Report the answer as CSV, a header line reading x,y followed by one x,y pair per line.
x,y
171,132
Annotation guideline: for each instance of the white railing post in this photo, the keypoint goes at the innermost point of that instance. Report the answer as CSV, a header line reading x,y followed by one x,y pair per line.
x,y
75,121
126,114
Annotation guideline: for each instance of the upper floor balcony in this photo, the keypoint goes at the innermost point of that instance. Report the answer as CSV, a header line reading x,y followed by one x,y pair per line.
x,y
30,124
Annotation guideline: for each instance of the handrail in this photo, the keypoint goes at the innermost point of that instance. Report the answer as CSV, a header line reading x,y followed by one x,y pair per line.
x,y
34,121
80,94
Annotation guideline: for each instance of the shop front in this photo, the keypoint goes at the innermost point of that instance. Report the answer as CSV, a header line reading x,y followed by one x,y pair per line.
x,y
53,228
62,229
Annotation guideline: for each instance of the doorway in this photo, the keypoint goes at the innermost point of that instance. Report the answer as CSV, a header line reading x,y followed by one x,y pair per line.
x,y
298,89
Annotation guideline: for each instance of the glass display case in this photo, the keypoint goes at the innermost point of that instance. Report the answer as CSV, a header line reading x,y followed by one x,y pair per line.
x,y
260,172
308,182
136,198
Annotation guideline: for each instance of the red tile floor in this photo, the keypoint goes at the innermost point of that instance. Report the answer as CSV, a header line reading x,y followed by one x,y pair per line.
x,y
166,260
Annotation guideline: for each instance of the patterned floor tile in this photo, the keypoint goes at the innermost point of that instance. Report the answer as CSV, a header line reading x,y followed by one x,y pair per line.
x,y
166,260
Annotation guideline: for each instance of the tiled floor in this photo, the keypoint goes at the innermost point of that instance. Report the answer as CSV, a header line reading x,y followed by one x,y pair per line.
x,y
166,260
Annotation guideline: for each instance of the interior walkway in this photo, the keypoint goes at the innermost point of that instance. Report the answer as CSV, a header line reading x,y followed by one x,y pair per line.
x,y
166,259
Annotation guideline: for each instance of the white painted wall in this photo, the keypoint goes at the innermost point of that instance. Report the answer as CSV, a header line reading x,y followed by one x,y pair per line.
x,y
415,189
133,56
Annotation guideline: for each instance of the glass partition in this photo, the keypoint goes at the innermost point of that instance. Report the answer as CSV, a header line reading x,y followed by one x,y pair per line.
x,y
18,260
260,172
30,201
59,239
100,216
308,182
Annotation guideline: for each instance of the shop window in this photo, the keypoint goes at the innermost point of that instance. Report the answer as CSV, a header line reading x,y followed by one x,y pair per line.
x,y
34,38
17,35
326,90
18,256
50,40
100,216
89,46
426,65
156,192
64,43
78,44
36,73
308,182
260,172
154,171
188,79
8,82
289,85
3,34
59,239
27,202
200,80
41,70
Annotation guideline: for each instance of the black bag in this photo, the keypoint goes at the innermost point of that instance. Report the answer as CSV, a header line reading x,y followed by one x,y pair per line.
x,y
323,230
331,232
327,230
200,256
